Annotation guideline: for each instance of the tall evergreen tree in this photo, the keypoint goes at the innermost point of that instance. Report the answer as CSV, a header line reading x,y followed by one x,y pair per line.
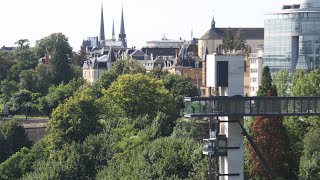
x,y
228,40
270,136
239,40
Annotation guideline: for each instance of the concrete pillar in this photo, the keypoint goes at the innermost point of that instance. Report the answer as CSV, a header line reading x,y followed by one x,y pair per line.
x,y
233,163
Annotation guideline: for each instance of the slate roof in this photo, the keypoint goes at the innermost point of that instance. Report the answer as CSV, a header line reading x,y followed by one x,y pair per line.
x,y
93,62
249,33
137,53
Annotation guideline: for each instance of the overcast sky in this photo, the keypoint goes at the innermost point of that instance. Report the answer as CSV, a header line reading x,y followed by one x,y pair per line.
x,y
145,20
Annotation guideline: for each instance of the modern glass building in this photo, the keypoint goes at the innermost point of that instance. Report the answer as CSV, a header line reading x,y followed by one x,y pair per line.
x,y
292,37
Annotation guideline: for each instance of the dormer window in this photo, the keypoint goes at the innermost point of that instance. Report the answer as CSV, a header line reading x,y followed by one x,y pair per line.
x,y
197,64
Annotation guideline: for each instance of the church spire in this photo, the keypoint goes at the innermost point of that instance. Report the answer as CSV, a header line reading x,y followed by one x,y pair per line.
x,y
102,37
213,23
113,35
122,35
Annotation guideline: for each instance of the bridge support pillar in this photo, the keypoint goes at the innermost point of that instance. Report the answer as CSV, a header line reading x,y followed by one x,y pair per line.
x,y
232,165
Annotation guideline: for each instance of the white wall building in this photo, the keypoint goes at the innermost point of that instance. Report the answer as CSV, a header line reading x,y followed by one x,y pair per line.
x,y
256,66
165,43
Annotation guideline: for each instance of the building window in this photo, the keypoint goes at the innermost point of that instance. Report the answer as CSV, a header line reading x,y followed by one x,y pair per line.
x,y
252,89
253,70
253,61
253,79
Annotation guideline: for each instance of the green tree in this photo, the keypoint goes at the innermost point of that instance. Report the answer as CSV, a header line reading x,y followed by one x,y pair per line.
x,y
182,87
59,49
163,158
282,81
23,44
28,80
158,73
121,67
306,84
17,165
239,40
44,78
6,62
137,95
58,95
178,86
303,84
79,58
25,59
7,89
74,120
266,84
310,160
270,136
228,40
13,137
24,102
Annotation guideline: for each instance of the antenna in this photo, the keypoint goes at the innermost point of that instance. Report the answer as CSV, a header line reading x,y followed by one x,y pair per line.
x,y
191,34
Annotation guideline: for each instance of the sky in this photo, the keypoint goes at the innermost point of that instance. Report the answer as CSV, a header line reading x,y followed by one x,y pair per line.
x,y
145,20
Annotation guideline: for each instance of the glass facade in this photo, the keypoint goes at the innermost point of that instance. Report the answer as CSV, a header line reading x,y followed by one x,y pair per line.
x,y
292,40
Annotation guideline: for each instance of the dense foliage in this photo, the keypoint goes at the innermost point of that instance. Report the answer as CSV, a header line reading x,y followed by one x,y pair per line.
x,y
123,126
13,137
270,136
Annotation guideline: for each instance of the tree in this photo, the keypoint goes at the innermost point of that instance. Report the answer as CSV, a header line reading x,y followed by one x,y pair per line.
x,y
270,136
44,78
23,43
74,120
59,49
163,158
6,62
239,40
7,89
24,58
266,84
17,165
28,80
282,79
136,95
121,67
228,40
23,102
178,86
58,95
310,160
79,58
303,84
13,137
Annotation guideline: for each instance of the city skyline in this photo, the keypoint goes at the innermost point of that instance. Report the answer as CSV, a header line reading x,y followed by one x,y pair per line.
x,y
144,20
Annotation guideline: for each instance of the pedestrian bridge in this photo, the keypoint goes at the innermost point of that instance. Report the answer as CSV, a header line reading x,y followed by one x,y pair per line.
x,y
251,106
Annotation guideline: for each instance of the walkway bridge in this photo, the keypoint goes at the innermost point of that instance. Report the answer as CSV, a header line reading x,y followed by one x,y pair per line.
x,y
251,106
235,107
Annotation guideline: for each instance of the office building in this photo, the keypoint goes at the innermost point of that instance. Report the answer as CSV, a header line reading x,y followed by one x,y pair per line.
x,y
292,37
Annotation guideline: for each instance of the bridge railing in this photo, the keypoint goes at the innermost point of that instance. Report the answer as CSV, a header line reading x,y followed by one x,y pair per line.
x,y
251,106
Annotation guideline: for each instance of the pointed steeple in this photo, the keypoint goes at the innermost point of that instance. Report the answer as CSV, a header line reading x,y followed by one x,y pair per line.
x,y
122,35
102,35
213,23
113,35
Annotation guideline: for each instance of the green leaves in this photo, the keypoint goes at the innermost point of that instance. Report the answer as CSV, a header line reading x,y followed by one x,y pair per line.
x,y
228,40
74,120
13,137
310,160
136,95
